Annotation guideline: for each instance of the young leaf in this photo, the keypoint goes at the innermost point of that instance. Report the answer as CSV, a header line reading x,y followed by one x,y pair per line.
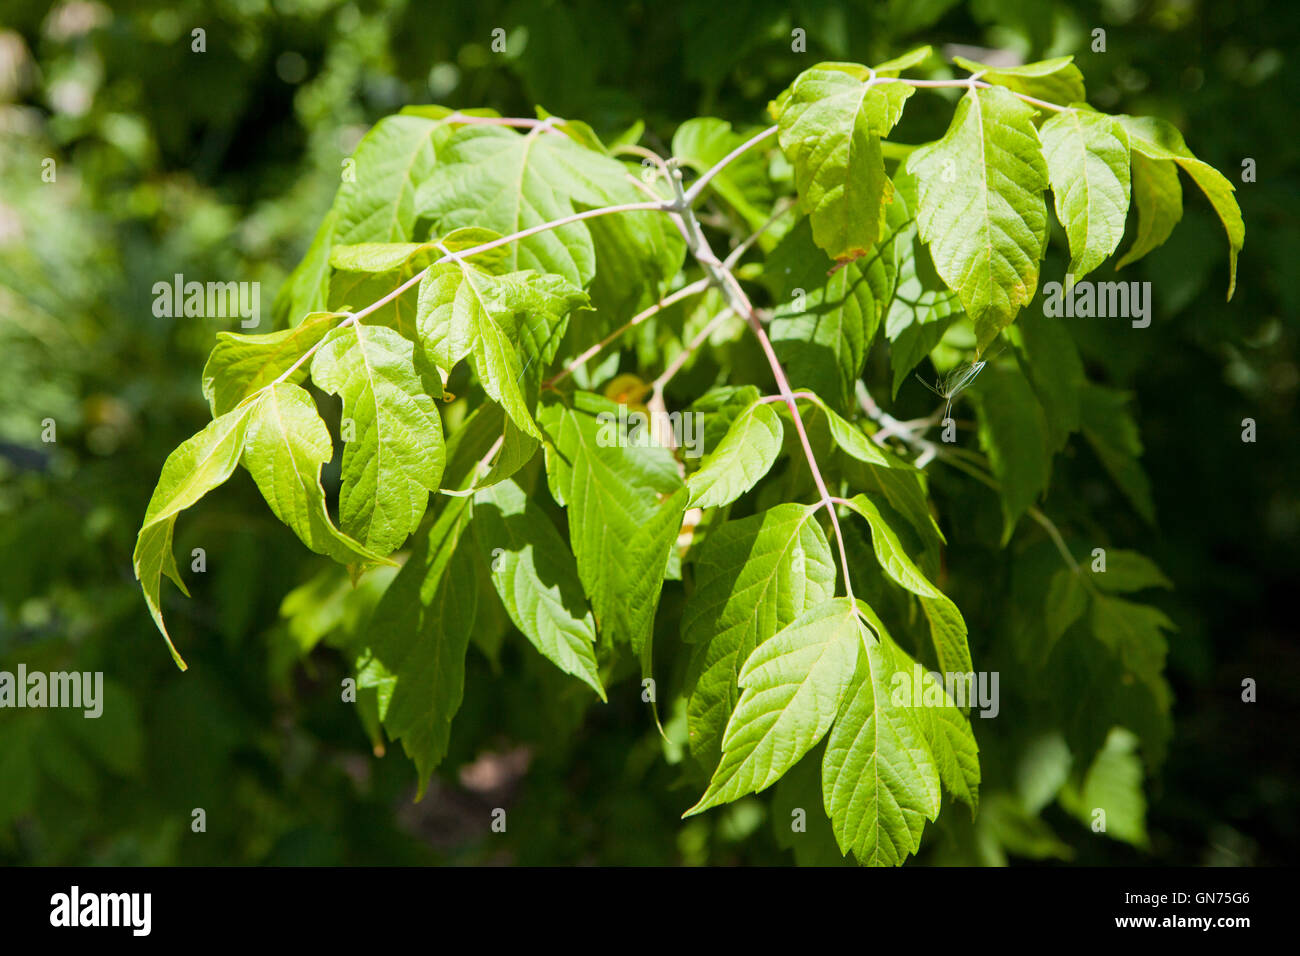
x,y
1088,165
905,62
850,438
743,456
981,208
625,506
286,445
198,465
753,576
536,577
356,290
831,123
397,456
903,487
415,658
793,684
380,257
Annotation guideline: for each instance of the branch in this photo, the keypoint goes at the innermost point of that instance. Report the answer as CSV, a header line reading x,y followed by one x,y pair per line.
x,y
970,82
687,351
699,285
354,317
698,186
740,304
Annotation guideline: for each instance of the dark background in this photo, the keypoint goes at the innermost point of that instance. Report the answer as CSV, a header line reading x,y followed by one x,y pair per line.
x,y
219,166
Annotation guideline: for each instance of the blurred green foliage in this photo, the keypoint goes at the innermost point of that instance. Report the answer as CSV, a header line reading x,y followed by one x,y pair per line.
x,y
218,165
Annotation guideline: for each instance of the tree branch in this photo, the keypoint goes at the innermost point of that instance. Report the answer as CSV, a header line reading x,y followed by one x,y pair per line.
x,y
740,304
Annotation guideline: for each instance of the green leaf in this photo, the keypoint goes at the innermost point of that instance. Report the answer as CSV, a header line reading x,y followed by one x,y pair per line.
x,y
1113,434
1055,371
464,311
1113,784
947,732
1136,633
536,577
199,464
1056,80
625,506
849,438
286,445
1160,140
1013,432
981,208
419,633
947,628
241,364
353,291
397,456
922,308
306,290
1088,165
903,487
905,62
471,442
823,320
1128,571
753,577
1067,599
497,179
743,456
377,204
879,779
831,123
1159,199
793,684
373,204
379,257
